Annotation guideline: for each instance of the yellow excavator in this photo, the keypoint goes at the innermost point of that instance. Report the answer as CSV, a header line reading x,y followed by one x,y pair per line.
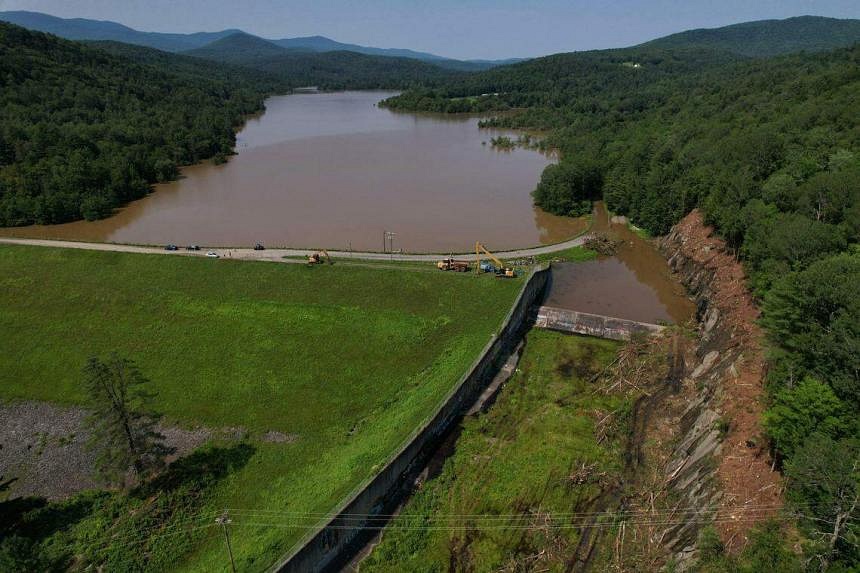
x,y
317,258
497,266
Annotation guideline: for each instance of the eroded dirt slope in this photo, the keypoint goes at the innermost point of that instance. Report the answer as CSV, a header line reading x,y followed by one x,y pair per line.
x,y
731,350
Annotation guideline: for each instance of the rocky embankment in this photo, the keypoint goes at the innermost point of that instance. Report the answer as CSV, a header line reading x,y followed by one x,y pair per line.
x,y
720,464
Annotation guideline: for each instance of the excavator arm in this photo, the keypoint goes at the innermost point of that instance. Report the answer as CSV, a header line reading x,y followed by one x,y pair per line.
x,y
479,248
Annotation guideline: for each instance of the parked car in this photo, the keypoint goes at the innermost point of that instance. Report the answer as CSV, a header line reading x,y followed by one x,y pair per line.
x,y
192,248
259,247
213,255
171,248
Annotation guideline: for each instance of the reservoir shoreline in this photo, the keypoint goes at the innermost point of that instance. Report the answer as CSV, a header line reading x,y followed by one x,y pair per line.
x,y
335,170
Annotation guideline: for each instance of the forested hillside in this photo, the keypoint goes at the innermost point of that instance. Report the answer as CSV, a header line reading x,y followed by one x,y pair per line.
x,y
326,70
103,30
769,37
83,131
239,48
547,91
769,149
193,68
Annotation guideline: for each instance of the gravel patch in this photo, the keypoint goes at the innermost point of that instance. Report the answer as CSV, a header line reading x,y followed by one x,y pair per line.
x,y
279,437
236,434
43,449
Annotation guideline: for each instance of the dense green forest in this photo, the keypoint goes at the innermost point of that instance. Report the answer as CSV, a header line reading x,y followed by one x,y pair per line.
x,y
240,48
87,128
765,38
769,149
326,70
194,68
83,131
105,30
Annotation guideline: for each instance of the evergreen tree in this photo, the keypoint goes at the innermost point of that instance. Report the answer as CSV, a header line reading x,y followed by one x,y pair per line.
x,y
123,428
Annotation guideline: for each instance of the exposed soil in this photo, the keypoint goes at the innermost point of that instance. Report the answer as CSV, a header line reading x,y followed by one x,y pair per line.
x,y
745,471
44,450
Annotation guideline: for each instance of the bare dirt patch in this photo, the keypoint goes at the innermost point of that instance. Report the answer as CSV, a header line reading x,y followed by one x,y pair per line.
x,y
43,449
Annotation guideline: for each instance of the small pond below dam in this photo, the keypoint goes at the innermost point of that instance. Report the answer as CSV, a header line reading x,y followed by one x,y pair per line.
x,y
635,284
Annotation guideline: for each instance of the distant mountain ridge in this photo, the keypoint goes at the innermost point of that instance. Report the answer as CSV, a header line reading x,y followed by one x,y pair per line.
x,y
765,38
762,38
339,69
85,29
240,48
323,44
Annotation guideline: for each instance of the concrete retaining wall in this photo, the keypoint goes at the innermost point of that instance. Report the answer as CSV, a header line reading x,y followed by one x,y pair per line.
x,y
591,324
331,543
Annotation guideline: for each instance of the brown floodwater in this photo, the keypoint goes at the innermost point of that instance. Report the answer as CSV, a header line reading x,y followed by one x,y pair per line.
x,y
635,284
333,170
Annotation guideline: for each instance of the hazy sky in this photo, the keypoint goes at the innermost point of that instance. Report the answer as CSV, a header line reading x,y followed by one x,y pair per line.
x,y
455,28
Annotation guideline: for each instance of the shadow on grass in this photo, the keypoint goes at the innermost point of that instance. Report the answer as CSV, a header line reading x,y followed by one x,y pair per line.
x,y
200,469
36,519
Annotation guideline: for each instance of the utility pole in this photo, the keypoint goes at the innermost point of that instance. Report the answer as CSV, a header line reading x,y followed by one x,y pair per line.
x,y
224,521
391,236
388,241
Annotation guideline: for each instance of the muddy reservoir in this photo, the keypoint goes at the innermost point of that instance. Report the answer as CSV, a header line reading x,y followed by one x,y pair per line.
x,y
334,170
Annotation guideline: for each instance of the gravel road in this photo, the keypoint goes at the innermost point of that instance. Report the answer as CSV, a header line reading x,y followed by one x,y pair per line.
x,y
277,255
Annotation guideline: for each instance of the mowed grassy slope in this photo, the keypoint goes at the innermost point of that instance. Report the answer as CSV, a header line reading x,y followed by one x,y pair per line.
x,y
511,471
349,360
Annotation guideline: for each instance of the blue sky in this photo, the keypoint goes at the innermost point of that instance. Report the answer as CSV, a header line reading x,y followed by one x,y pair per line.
x,y
455,28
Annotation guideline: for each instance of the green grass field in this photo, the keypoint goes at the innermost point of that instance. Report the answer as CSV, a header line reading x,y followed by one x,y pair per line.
x,y
513,466
572,255
349,360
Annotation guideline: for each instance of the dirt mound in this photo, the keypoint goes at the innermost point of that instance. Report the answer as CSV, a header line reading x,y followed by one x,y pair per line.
x,y
602,243
744,469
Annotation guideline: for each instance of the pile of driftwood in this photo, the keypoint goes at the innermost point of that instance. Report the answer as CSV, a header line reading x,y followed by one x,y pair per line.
x,y
638,364
602,243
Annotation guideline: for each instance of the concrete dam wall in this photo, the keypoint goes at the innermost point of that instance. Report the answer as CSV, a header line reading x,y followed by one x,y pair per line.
x,y
332,542
591,324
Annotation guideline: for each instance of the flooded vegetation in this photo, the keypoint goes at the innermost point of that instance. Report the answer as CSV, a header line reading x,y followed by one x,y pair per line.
x,y
334,170
635,283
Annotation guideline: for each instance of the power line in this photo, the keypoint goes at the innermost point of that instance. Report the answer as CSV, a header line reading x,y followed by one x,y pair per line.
x,y
702,509
529,527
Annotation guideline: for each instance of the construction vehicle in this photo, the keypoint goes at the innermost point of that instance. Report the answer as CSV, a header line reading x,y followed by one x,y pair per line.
x,y
498,267
452,264
317,258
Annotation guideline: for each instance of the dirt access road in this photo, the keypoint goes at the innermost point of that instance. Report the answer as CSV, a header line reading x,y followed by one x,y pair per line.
x,y
278,255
